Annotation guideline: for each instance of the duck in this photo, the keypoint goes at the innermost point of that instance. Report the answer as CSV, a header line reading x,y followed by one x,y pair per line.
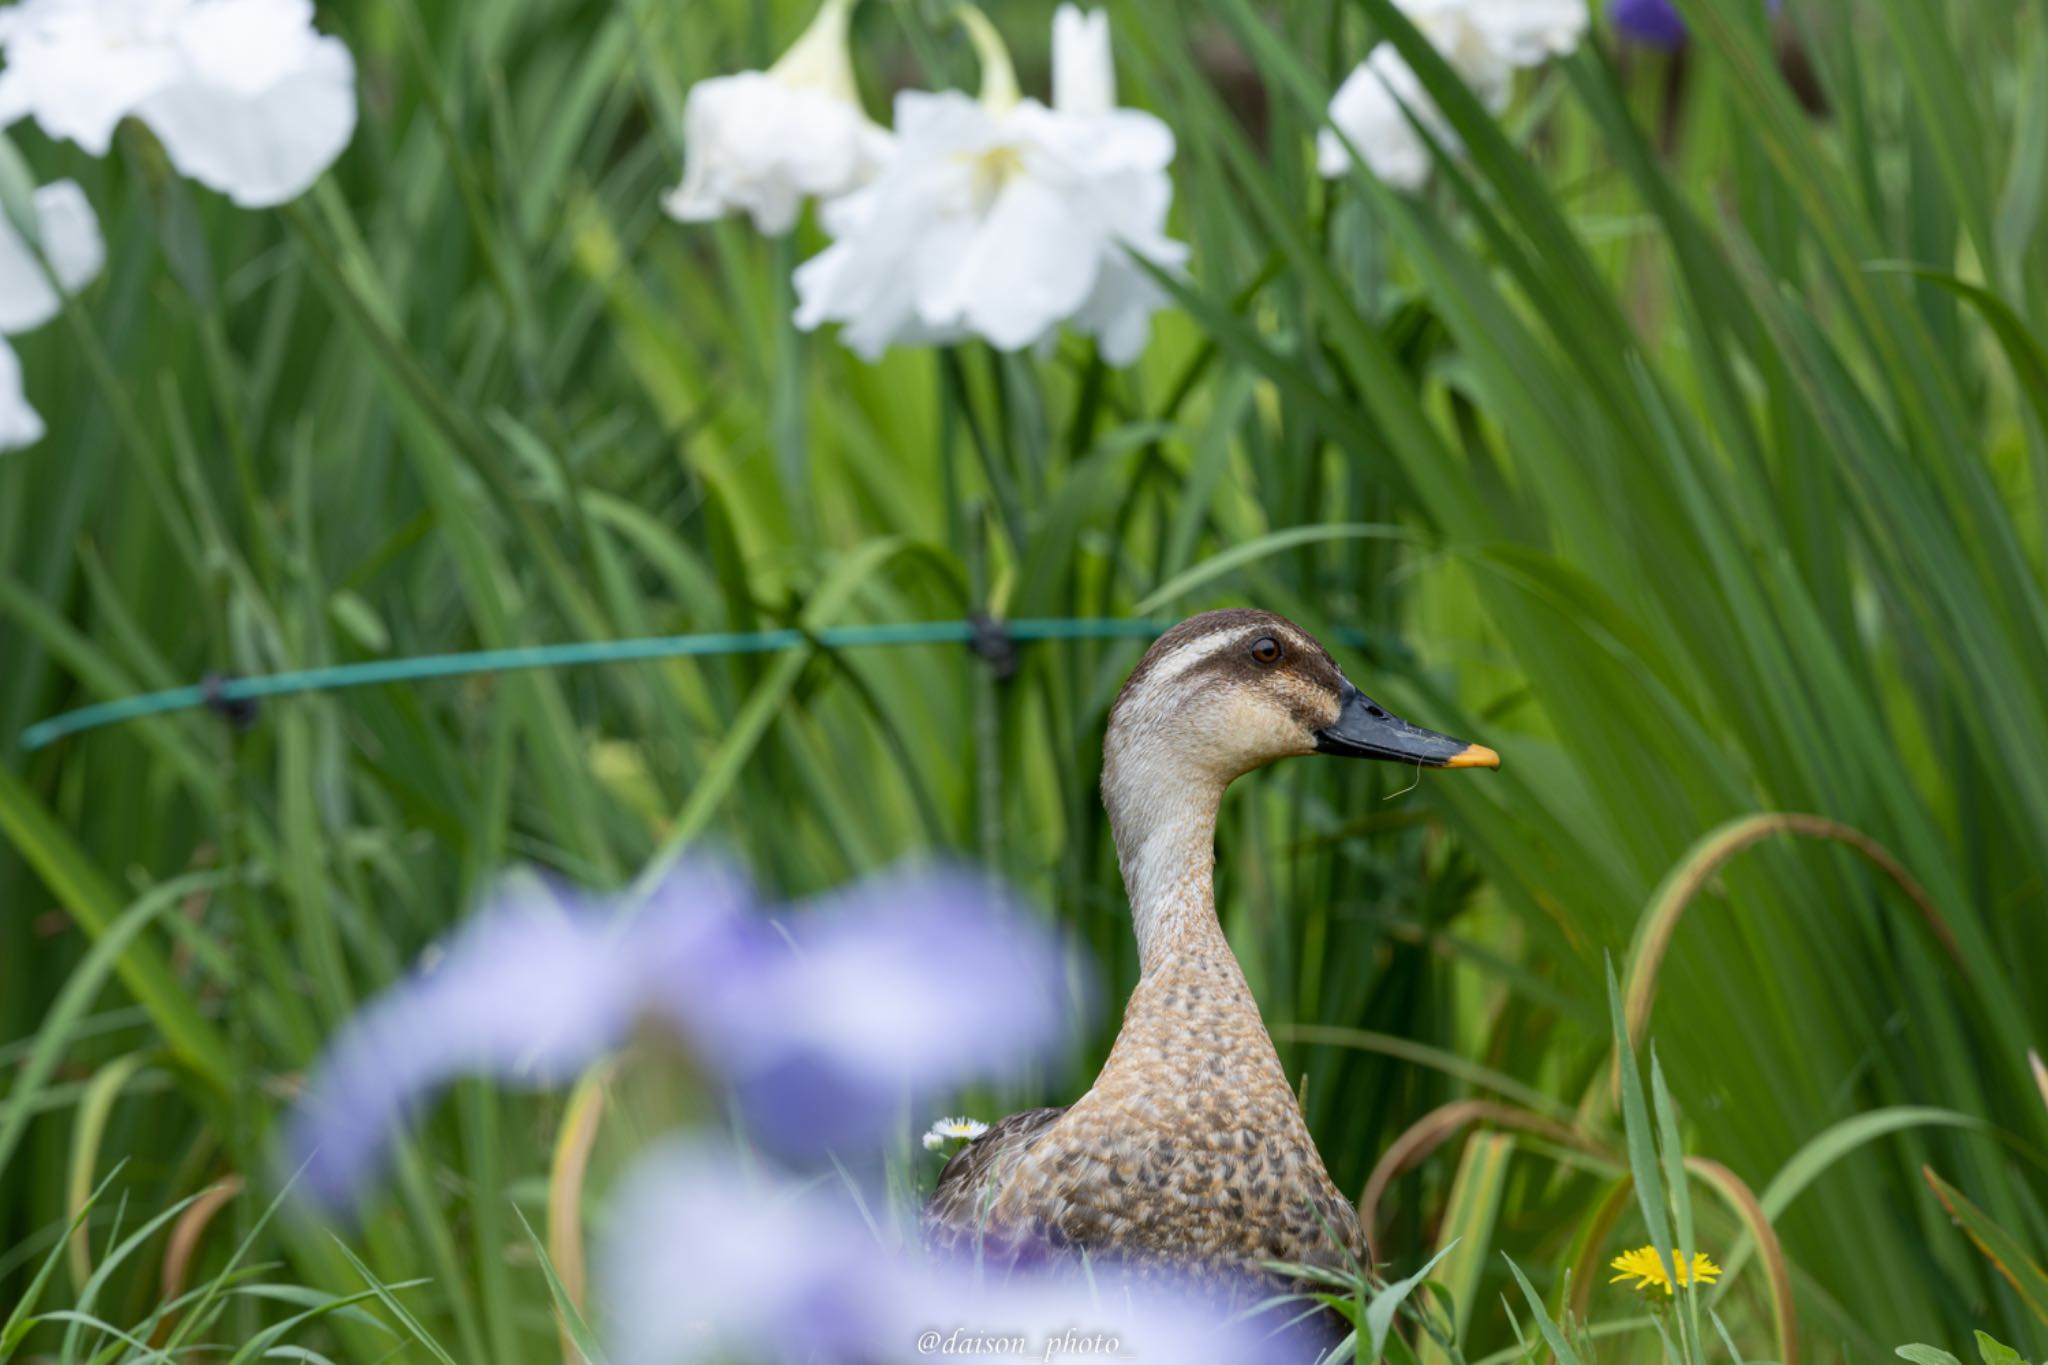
x,y
1189,1154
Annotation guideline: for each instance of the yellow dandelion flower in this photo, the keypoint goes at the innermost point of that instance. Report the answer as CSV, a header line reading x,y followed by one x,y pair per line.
x,y
1642,1266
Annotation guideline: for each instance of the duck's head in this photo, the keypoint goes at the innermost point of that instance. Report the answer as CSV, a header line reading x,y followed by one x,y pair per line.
x,y
1229,691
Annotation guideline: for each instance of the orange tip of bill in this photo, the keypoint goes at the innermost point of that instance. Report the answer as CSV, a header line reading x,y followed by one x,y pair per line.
x,y
1473,756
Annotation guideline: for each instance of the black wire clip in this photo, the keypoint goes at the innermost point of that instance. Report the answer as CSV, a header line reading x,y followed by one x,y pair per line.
x,y
993,643
239,712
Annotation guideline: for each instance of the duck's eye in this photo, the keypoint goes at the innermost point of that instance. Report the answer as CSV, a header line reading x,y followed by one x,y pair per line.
x,y
1267,651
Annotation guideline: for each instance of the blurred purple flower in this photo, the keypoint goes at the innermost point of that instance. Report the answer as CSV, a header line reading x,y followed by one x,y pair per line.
x,y
894,989
707,1260
821,1023
1653,22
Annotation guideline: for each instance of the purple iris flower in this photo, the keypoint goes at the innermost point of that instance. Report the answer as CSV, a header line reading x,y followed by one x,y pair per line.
x,y
1654,22
822,1019
706,1258
709,1260
893,989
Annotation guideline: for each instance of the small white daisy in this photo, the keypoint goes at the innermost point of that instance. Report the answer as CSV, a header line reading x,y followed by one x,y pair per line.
x,y
952,1130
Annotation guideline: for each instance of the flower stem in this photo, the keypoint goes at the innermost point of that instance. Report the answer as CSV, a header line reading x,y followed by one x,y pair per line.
x,y
999,93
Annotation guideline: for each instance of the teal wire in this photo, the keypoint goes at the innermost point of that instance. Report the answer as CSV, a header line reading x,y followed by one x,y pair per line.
x,y
371,674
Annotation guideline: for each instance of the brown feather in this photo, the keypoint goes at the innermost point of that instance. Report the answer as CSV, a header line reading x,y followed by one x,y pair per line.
x,y
1189,1153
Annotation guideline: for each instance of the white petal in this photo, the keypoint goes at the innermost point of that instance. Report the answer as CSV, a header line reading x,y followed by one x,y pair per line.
x,y
19,425
78,67
903,232
1118,312
1095,144
1527,32
1513,33
822,286
244,47
16,100
872,292
70,236
1365,107
1475,53
259,144
933,268
1083,70
1136,203
759,146
1029,266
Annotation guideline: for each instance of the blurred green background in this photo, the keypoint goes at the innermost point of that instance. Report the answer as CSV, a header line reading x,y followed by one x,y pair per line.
x,y
1685,442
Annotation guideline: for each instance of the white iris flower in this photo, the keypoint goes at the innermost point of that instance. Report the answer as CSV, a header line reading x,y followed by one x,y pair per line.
x,y
19,424
246,96
761,142
1003,218
68,236
1485,42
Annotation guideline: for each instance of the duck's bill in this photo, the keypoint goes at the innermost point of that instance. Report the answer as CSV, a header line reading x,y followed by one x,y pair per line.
x,y
1365,729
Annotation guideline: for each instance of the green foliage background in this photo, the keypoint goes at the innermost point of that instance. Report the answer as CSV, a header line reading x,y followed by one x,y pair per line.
x,y
1683,444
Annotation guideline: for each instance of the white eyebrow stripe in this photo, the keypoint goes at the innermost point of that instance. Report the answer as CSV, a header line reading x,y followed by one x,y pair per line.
x,y
1185,656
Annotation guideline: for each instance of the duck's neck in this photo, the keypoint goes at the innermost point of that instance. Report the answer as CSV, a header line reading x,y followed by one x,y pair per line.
x,y
1192,1011
1164,823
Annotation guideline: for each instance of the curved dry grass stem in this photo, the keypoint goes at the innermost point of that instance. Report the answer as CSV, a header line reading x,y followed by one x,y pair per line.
x,y
1750,1210
2040,1074
1709,855
1659,923
1592,1244
87,1131
573,1145
1440,1125
184,1245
